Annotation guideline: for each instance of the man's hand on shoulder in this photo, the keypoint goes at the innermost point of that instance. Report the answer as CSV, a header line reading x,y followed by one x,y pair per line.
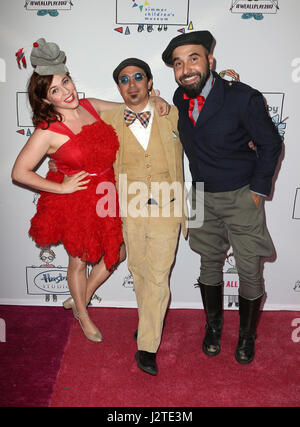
x,y
162,106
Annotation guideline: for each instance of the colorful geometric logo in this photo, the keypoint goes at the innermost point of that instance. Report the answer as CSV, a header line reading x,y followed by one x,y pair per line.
x,y
140,5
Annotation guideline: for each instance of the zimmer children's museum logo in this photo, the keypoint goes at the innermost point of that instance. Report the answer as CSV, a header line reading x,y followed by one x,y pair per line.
x,y
150,13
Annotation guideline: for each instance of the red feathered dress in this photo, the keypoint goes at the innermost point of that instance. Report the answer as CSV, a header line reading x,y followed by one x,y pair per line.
x,y
87,226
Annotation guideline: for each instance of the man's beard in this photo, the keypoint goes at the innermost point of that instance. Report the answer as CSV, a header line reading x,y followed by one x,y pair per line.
x,y
194,89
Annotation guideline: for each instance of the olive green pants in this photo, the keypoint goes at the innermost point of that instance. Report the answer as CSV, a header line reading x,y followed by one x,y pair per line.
x,y
232,217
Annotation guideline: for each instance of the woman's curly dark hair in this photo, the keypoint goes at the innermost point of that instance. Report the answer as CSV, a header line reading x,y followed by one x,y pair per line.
x,y
43,112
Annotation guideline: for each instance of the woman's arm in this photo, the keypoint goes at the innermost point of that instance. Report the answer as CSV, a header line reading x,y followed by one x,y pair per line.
x,y
101,105
32,153
162,107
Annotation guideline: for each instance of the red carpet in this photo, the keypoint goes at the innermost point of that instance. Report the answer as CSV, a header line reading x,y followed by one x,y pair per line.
x,y
46,363
106,374
30,358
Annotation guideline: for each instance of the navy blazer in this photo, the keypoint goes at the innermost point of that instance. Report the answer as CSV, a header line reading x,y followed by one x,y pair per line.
x,y
217,147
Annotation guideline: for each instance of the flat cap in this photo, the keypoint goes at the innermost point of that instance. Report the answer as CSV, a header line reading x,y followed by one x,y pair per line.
x,y
132,62
47,58
196,37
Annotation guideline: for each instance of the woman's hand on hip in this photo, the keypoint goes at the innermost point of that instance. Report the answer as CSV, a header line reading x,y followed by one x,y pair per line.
x,y
75,182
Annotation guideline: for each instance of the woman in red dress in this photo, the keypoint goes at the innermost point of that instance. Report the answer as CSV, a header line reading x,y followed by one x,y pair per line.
x,y
78,205
84,148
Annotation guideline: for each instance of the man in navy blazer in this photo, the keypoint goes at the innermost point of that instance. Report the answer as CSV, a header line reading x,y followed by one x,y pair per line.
x,y
217,119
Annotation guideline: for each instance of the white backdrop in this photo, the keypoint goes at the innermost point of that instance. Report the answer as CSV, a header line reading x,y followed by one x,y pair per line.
x,y
259,38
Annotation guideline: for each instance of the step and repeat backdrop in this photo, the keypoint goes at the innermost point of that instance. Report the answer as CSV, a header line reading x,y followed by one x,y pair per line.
x,y
259,39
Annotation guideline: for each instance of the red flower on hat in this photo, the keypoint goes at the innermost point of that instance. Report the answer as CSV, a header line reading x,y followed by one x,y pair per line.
x,y
35,44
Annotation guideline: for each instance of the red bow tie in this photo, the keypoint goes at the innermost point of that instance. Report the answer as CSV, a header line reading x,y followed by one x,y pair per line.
x,y
200,100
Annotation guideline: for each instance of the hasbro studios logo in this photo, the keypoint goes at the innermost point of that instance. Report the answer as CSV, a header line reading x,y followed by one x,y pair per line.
x,y
254,8
42,281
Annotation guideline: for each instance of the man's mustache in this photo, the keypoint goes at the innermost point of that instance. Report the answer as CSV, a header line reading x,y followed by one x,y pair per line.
x,y
186,76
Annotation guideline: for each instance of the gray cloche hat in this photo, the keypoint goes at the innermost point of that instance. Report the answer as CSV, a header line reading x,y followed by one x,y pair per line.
x,y
47,58
204,38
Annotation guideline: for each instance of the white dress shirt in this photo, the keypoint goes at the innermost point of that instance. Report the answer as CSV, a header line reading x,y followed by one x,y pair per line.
x,y
142,134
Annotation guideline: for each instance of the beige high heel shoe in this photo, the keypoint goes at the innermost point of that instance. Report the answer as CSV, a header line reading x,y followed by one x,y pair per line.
x,y
70,303
96,336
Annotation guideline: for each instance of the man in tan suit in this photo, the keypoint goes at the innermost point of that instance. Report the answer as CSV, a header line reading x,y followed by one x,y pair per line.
x,y
149,179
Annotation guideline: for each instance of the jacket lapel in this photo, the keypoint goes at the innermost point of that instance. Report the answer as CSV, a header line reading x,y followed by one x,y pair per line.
x,y
213,103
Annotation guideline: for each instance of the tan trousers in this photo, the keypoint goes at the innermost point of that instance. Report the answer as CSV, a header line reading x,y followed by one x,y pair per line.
x,y
151,245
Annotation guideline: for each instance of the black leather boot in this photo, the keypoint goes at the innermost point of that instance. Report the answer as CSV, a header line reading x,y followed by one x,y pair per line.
x,y
249,313
212,298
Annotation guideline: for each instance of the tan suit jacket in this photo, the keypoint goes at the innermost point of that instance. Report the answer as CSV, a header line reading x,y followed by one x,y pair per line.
x,y
171,143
